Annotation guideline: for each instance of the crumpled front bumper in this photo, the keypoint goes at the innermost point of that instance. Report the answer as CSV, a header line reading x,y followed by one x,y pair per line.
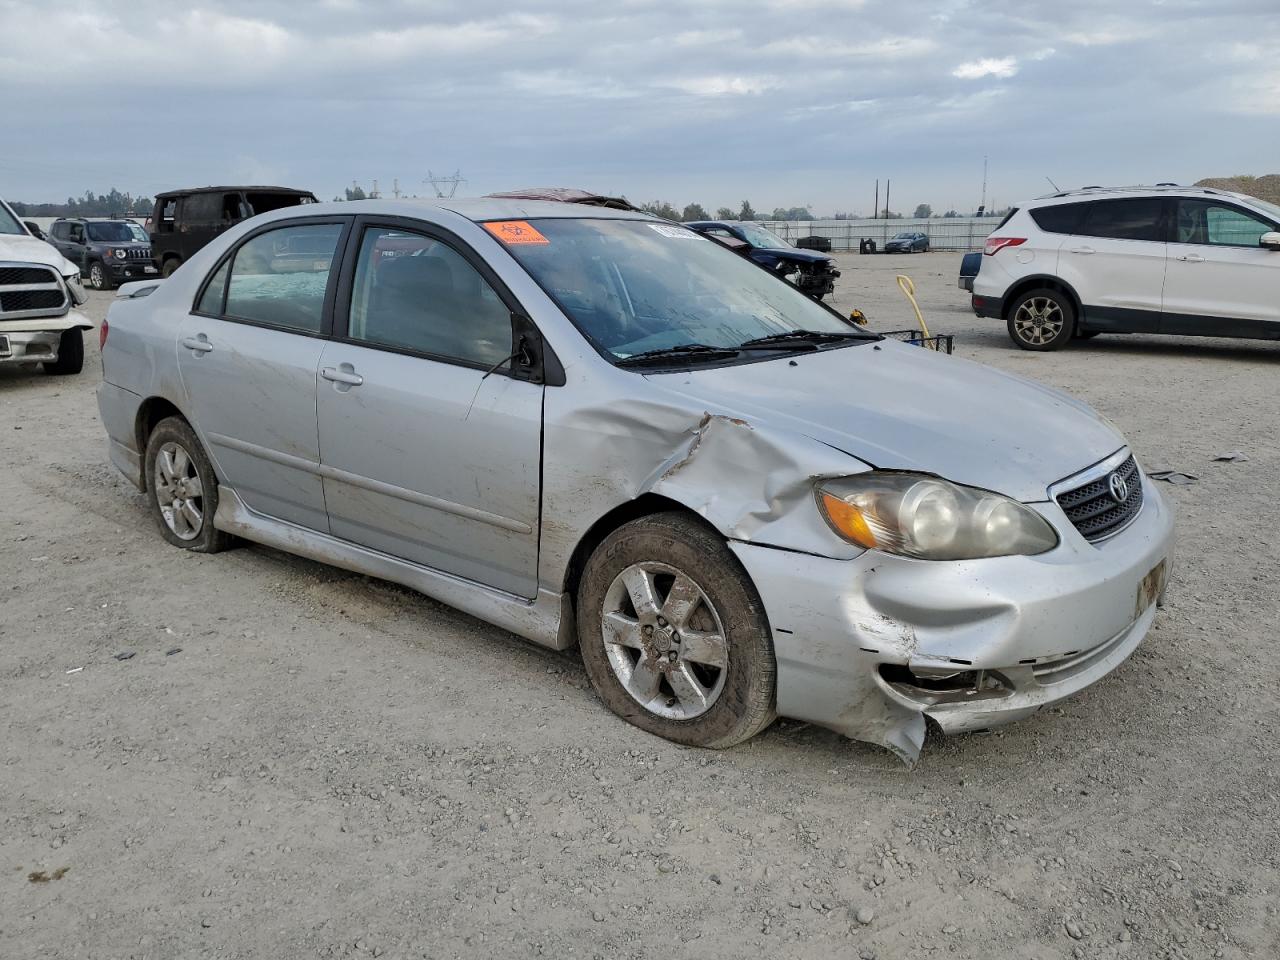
x,y
872,646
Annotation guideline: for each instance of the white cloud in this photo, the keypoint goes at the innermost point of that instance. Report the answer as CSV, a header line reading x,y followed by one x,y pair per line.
x,y
719,85
1002,67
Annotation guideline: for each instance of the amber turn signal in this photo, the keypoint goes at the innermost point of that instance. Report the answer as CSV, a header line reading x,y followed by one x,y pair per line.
x,y
848,520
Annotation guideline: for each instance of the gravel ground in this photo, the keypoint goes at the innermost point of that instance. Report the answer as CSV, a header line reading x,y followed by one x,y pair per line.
x,y
296,761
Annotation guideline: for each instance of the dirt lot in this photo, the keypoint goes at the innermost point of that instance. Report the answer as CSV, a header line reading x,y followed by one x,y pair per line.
x,y
299,762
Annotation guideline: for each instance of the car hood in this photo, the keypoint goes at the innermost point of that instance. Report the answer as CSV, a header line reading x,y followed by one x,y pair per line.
x,y
902,407
27,249
794,254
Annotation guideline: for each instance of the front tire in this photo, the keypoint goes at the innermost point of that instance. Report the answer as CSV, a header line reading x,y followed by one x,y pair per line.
x,y
182,488
1042,319
70,354
99,276
673,634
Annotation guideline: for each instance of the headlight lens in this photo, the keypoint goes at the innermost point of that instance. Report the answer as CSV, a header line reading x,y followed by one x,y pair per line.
x,y
75,288
121,253
927,518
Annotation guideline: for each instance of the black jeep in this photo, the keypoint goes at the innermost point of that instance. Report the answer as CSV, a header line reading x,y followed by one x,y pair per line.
x,y
108,252
185,220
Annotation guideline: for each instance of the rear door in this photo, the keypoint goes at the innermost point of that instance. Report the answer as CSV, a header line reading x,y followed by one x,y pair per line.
x,y
248,355
430,445
1220,281
1115,261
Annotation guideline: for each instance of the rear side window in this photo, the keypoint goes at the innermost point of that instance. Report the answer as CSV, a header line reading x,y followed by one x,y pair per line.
x,y
201,209
279,278
211,299
1062,218
1139,218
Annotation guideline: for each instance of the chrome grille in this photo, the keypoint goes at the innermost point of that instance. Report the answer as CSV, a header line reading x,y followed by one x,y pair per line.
x,y
30,290
138,253
1094,510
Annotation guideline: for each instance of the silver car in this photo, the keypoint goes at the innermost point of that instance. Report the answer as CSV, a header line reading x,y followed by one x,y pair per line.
x,y
592,427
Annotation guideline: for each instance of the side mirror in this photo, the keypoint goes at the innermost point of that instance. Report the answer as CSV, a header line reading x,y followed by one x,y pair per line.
x,y
1270,240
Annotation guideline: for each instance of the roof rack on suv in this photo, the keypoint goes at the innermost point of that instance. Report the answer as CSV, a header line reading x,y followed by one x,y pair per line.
x,y
1137,188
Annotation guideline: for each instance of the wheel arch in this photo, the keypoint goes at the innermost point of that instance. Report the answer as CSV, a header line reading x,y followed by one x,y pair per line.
x,y
1041,280
150,412
644,505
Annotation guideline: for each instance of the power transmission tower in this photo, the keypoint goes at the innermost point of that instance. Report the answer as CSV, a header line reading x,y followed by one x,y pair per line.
x,y
441,184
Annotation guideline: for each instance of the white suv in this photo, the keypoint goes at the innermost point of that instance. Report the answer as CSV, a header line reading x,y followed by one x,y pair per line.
x,y
1165,259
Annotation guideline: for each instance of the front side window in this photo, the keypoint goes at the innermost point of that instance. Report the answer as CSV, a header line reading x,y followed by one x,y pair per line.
x,y
1209,222
1140,218
9,223
632,286
418,294
279,278
110,232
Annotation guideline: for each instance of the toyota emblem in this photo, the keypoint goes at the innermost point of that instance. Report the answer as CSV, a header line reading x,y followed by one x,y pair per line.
x,y
1119,488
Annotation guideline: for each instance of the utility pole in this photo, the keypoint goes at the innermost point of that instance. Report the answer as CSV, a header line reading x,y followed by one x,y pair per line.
x,y
875,211
374,194
439,184
395,187
983,206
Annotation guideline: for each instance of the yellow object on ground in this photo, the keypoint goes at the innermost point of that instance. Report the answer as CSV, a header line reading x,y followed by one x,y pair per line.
x,y
909,290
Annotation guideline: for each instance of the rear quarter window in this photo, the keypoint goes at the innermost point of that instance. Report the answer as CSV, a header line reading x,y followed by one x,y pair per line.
x,y
1062,218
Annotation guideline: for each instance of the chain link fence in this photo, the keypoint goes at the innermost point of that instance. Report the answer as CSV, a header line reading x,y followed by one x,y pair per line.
x,y
944,233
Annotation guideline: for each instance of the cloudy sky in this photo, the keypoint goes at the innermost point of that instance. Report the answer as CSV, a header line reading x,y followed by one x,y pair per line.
x,y
784,103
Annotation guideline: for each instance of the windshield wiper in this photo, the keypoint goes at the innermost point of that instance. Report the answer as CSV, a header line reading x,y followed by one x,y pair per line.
x,y
693,351
801,339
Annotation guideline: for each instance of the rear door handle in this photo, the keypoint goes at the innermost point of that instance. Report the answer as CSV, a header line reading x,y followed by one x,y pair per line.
x,y
1082,250
344,374
200,343
1191,258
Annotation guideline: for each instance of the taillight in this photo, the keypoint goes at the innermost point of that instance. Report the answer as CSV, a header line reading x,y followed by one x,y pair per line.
x,y
996,244
102,335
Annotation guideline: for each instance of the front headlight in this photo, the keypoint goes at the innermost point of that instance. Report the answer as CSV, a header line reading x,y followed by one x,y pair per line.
x,y
121,253
75,288
928,518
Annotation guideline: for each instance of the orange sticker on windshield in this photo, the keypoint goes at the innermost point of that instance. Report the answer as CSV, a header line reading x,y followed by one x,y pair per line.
x,y
515,231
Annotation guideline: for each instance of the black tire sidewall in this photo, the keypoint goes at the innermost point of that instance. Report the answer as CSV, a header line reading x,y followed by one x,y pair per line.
x,y
70,354
746,703
169,267
1064,335
179,431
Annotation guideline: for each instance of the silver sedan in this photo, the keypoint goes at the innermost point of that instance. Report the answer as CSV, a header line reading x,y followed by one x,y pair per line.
x,y
599,429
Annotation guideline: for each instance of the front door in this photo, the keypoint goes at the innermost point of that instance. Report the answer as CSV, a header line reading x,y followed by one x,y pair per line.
x,y
1115,261
1220,281
430,449
248,356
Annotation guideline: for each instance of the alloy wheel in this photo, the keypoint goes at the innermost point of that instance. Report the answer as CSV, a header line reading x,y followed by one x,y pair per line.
x,y
664,640
1038,320
97,277
179,492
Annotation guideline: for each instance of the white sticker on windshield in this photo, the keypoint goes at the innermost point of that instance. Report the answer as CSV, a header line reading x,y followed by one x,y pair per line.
x,y
675,233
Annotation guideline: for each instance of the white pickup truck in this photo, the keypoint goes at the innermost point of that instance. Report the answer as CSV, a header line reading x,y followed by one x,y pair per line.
x,y
39,291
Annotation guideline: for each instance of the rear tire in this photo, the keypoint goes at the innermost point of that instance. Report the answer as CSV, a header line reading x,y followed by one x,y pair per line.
x,y
696,648
169,267
182,488
70,354
1042,319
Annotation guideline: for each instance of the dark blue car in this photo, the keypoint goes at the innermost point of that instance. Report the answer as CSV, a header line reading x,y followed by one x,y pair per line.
x,y
814,273
911,241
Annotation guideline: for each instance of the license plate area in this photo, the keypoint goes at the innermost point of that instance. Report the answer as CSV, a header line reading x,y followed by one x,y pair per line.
x,y
1150,588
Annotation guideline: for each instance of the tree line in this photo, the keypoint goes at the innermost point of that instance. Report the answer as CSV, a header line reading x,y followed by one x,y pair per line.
x,y
110,204
695,211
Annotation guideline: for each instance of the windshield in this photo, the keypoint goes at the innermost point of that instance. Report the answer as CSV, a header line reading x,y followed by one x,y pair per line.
x,y
905,236
761,238
9,223
139,234
110,232
633,286
1270,209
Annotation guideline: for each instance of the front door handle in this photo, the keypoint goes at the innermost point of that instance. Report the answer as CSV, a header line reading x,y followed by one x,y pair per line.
x,y
1082,250
199,343
343,374
1191,258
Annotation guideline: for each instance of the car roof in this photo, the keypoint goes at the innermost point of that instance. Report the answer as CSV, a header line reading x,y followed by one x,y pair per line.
x,y
1160,189
478,209
227,189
